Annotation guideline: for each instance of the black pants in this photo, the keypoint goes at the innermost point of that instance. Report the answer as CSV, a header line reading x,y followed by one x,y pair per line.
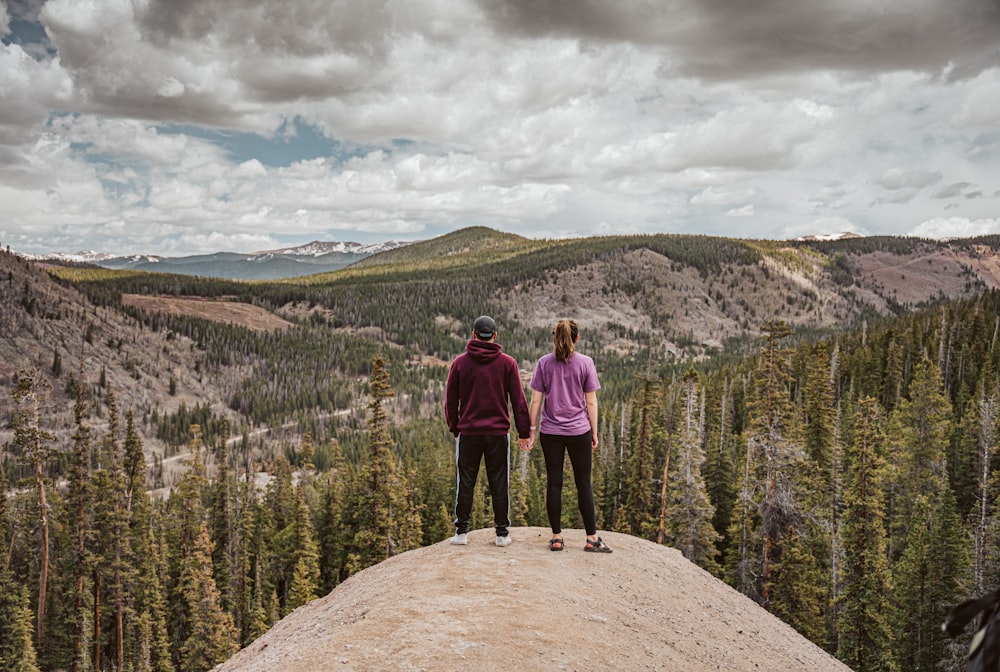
x,y
470,450
554,448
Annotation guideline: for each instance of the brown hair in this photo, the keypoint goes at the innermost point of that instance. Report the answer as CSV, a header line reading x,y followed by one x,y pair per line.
x,y
564,335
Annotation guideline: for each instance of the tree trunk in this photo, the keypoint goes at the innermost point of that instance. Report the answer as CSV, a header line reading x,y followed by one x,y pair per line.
x,y
119,610
97,621
43,572
661,531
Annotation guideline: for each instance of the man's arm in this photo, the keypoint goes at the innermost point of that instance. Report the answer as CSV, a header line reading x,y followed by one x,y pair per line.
x,y
451,399
517,401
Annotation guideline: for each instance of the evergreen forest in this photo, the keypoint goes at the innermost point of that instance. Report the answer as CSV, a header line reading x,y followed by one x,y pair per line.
x,y
841,478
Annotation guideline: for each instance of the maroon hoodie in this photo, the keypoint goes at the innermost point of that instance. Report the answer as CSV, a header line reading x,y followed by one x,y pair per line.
x,y
480,383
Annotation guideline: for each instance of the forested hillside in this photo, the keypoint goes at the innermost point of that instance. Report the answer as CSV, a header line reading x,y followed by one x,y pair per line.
x,y
812,422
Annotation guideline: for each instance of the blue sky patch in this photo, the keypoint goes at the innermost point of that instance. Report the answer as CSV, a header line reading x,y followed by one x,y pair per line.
x,y
293,141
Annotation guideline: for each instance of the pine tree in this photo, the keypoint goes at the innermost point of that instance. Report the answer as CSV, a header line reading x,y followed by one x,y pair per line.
x,y
864,628
308,451
649,433
32,441
78,509
305,578
281,501
518,494
964,455
537,515
387,520
435,468
951,563
719,468
821,480
17,651
796,591
621,524
112,522
260,613
919,427
779,513
6,524
689,514
912,575
212,635
986,445
768,507
222,496
329,524
185,518
148,646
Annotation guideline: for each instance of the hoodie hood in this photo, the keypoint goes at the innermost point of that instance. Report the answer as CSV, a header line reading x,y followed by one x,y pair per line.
x,y
483,352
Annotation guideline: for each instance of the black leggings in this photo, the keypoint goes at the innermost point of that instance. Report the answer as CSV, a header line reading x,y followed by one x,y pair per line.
x,y
554,447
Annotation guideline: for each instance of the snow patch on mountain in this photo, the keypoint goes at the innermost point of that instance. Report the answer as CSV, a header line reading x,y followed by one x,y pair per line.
x,y
83,256
318,248
844,235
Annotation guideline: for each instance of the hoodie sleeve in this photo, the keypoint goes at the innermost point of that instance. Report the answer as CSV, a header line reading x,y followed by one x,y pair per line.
x,y
451,399
522,421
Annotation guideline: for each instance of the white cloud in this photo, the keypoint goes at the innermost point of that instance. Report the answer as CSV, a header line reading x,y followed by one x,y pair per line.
x,y
535,119
171,88
745,211
29,89
955,227
721,196
981,106
907,180
952,190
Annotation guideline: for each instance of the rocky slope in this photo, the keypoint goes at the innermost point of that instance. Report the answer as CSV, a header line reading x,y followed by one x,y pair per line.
x,y
44,321
523,607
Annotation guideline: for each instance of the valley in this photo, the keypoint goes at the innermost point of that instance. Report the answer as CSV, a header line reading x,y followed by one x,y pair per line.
x,y
742,382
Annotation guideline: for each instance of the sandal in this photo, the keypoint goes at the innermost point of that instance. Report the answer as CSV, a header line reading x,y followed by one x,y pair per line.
x,y
556,544
596,546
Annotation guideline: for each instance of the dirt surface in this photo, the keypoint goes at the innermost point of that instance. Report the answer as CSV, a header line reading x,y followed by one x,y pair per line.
x,y
231,312
523,607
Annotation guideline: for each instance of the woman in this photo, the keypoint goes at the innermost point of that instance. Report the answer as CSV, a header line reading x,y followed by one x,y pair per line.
x,y
564,390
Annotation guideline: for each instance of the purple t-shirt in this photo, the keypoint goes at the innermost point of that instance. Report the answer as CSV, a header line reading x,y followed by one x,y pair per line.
x,y
564,384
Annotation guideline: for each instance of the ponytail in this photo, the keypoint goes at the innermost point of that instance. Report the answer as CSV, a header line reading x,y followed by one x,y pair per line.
x,y
564,337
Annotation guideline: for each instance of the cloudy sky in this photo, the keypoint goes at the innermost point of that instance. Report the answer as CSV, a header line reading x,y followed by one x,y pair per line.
x,y
185,126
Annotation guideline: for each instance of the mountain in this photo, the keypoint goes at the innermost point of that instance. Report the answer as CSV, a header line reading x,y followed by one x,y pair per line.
x,y
57,329
318,248
660,298
478,607
472,245
82,257
845,235
290,262
259,381
640,300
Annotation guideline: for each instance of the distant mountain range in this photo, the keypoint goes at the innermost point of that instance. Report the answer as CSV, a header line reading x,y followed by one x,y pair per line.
x,y
289,262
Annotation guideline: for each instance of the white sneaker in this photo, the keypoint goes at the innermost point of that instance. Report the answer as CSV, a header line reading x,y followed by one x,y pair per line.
x,y
503,541
459,539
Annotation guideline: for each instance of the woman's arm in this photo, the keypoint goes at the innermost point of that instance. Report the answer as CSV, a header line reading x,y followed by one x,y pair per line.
x,y
591,398
535,412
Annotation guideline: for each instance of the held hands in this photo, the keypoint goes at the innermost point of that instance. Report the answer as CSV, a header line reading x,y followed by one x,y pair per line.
x,y
526,444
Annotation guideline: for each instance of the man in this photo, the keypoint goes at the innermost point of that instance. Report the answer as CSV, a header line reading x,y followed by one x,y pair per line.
x,y
481,383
